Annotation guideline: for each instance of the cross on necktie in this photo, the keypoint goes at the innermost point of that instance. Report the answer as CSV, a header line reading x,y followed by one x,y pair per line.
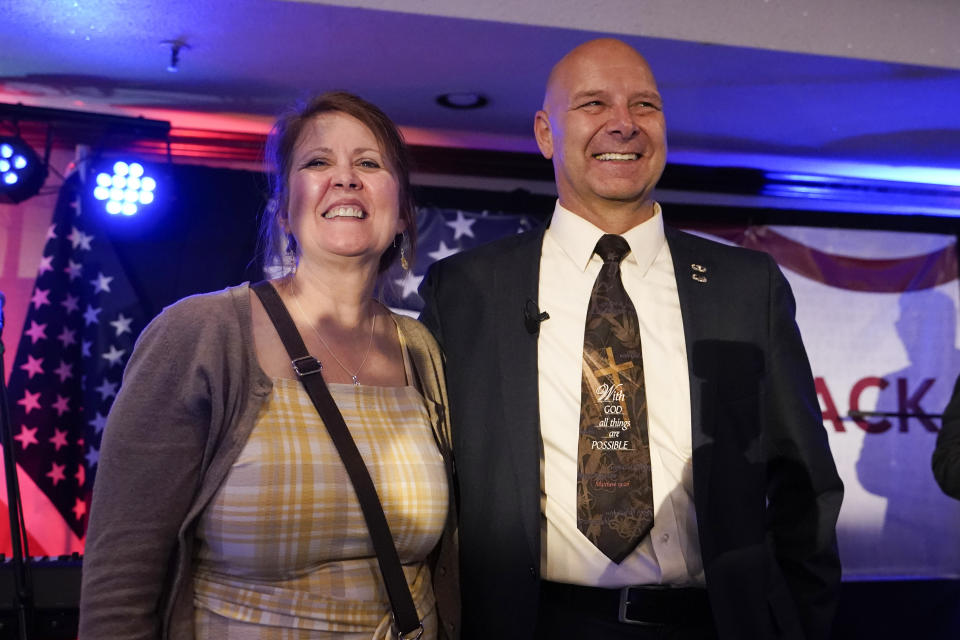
x,y
614,487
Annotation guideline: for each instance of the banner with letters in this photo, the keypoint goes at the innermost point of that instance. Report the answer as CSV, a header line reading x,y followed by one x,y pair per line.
x,y
878,314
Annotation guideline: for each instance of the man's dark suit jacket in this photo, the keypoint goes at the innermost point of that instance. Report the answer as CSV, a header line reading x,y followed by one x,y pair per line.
x,y
946,455
766,490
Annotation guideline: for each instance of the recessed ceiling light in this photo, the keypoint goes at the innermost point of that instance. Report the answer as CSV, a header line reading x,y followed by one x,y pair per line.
x,y
462,100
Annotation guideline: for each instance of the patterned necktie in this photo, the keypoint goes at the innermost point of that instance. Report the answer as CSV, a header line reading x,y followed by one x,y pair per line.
x,y
614,488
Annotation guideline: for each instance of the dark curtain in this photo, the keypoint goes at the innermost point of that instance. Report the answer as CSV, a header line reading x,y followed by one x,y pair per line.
x,y
201,237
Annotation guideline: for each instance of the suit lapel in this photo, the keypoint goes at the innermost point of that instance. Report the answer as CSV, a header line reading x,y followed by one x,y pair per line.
x,y
693,271
516,280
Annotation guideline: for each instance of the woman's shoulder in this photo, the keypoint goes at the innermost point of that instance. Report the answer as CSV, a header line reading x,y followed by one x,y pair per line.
x,y
222,300
221,311
415,331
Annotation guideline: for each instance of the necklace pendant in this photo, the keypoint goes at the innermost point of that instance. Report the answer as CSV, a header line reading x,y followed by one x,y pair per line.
x,y
356,382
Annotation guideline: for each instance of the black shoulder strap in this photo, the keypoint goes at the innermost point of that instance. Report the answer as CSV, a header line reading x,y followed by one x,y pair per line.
x,y
405,618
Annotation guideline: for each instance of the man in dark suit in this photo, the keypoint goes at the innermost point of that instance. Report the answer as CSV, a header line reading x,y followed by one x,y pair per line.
x,y
736,539
946,455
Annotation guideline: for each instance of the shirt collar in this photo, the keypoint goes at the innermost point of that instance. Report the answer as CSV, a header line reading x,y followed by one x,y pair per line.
x,y
577,237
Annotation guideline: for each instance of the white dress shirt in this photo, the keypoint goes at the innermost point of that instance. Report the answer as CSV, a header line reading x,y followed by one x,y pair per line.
x,y
670,554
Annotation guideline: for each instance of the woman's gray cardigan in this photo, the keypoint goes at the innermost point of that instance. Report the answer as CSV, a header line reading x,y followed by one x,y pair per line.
x,y
190,396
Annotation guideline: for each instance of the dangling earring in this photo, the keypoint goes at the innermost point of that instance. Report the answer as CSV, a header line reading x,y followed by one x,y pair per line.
x,y
404,264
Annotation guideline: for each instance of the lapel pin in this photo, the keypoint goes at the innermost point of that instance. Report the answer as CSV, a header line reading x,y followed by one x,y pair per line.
x,y
698,271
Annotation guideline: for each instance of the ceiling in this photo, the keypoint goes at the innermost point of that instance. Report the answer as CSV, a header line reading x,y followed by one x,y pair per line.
x,y
830,86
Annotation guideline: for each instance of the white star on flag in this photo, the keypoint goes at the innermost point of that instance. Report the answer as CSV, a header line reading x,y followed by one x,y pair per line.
x,y
36,331
121,324
106,389
61,405
73,270
99,422
70,303
64,371
27,436
90,315
75,237
93,456
46,264
56,472
113,355
102,283
443,251
30,401
79,239
32,366
410,283
462,226
40,298
67,337
59,439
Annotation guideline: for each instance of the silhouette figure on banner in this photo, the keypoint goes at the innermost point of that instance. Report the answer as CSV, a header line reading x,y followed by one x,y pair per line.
x,y
895,457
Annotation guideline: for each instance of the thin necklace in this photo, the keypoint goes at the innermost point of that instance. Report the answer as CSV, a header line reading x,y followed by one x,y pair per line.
x,y
373,324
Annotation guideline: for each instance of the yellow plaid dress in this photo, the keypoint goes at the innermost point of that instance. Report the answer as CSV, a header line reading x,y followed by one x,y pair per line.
x,y
283,551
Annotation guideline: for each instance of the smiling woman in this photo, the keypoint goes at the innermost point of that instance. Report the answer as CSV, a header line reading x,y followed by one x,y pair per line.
x,y
343,194
257,531
292,135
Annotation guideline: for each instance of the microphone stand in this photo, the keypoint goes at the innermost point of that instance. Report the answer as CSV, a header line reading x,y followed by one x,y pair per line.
x,y
22,593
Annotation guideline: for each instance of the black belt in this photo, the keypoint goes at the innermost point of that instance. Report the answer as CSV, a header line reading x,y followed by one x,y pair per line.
x,y
646,604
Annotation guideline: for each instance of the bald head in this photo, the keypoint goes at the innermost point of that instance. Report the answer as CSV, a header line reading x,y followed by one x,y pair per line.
x,y
602,126
602,51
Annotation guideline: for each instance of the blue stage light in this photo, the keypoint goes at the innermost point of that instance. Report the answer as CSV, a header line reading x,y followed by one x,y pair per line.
x,y
22,173
126,189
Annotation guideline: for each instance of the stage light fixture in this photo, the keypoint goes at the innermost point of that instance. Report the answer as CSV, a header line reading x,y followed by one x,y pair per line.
x,y
22,172
126,189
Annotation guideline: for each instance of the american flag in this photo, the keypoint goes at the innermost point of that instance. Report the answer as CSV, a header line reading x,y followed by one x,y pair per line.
x,y
441,233
81,323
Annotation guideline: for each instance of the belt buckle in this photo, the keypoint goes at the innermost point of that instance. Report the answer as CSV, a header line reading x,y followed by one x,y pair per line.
x,y
624,603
